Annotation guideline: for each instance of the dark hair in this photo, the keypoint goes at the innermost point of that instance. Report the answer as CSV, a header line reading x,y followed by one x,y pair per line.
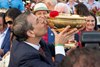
x,y
21,26
82,57
81,9
13,13
3,17
32,1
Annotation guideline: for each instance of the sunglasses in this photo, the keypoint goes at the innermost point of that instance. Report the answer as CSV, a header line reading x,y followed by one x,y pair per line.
x,y
9,22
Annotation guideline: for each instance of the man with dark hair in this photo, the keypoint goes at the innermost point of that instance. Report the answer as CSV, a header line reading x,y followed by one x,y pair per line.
x,y
31,51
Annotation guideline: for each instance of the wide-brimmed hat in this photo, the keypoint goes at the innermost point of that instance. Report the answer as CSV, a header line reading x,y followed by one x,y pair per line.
x,y
40,6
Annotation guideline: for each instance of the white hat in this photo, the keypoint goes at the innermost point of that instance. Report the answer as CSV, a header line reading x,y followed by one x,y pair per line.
x,y
3,10
40,6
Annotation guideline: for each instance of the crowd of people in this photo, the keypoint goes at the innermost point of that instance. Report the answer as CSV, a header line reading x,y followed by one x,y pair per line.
x,y
26,39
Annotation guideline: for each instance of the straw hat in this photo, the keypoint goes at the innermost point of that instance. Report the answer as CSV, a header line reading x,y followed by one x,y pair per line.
x,y
40,6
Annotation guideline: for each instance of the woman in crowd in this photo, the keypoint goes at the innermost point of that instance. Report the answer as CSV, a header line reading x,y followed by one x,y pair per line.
x,y
80,11
91,25
10,15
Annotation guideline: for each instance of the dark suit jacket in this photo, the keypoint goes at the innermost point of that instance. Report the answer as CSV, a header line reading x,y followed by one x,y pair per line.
x,y
23,55
6,43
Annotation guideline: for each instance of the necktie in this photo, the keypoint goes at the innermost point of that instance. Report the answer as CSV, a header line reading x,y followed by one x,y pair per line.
x,y
41,51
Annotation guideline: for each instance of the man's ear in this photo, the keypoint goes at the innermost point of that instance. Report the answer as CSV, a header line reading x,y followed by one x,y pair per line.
x,y
30,33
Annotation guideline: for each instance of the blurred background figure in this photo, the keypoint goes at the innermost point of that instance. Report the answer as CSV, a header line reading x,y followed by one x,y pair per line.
x,y
80,11
12,4
63,1
28,5
32,4
62,8
50,4
37,1
82,57
82,1
2,22
71,4
92,4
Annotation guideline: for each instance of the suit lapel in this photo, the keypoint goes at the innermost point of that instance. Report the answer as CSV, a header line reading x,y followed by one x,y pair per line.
x,y
6,39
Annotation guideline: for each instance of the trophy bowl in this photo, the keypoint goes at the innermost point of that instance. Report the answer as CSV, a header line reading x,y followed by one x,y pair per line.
x,y
61,21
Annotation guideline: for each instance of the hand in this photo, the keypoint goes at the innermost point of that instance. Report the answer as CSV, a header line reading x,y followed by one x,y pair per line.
x,y
83,27
71,44
63,36
1,51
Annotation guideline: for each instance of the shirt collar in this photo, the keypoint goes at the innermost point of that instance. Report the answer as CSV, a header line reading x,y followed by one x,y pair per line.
x,y
33,45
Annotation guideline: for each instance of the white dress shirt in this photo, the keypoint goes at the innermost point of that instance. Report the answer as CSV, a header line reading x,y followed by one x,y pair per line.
x,y
58,49
33,45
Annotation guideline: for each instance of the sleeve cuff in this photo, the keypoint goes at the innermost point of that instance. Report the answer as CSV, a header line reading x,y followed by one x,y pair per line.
x,y
59,50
